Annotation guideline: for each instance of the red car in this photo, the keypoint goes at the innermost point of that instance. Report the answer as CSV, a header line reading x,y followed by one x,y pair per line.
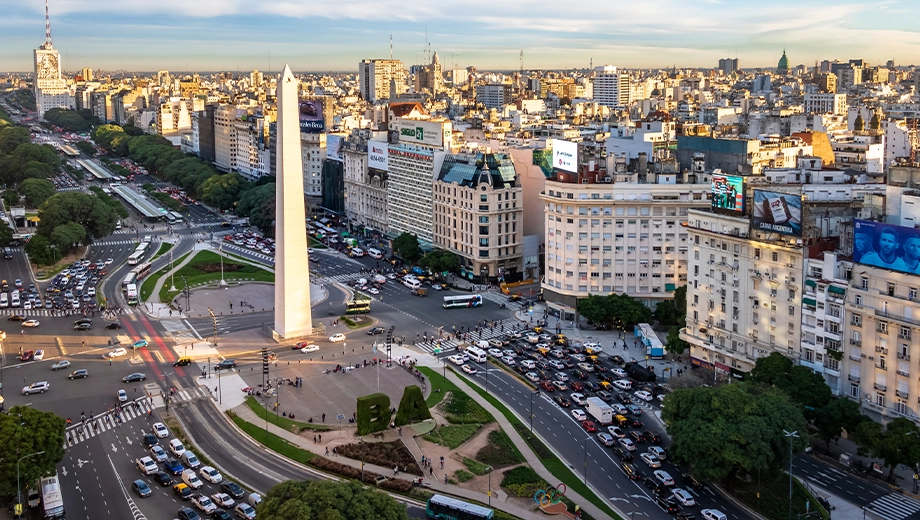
x,y
578,386
27,356
589,426
547,386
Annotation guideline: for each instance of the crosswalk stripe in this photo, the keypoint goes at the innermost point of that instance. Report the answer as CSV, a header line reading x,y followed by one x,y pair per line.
x,y
77,432
894,507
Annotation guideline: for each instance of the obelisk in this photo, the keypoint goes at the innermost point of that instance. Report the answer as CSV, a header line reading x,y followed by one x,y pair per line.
x,y
293,317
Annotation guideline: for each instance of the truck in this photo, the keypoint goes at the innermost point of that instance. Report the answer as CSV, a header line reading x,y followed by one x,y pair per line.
x,y
640,373
601,411
420,292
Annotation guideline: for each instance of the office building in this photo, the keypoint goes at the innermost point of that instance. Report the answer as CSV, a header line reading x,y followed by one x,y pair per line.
x,y
366,177
611,86
430,78
49,86
728,65
381,80
494,95
826,104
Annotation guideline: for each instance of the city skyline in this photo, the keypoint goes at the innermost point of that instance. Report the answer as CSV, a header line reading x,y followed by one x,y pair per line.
x,y
232,34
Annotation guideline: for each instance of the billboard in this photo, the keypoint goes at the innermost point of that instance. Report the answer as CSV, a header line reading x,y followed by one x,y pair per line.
x,y
378,155
884,245
777,213
728,193
424,132
311,116
565,155
334,146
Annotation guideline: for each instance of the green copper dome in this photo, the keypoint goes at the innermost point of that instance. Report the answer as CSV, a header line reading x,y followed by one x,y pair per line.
x,y
783,64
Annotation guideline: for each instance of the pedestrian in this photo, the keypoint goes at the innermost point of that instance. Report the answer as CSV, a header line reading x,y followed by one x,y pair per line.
x,y
321,437
327,451
442,461
395,470
400,430
324,417
314,439
430,472
335,451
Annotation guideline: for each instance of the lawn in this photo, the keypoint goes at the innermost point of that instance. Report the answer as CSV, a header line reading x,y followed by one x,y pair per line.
x,y
164,248
437,382
272,441
205,268
282,422
452,435
768,494
151,281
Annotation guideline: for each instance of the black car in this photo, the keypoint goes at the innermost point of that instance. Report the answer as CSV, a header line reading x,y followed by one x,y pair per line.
x,y
624,398
80,373
624,455
632,472
225,364
162,478
636,436
17,317
652,437
634,422
683,515
375,331
521,369
543,365
83,326
591,386
617,360
150,440
220,514
605,396
187,513
653,484
81,321
113,326
133,378
580,374
668,504
562,401
232,488
605,377
691,481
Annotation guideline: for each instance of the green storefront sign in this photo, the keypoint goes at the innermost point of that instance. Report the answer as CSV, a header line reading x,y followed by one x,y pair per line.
x,y
418,133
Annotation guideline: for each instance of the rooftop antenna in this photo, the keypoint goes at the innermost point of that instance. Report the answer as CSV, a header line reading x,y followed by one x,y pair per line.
x,y
47,27
522,61
427,58
391,46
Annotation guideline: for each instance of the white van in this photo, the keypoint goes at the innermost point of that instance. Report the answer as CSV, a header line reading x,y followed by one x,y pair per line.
x,y
14,298
412,284
476,354
4,301
357,251
374,253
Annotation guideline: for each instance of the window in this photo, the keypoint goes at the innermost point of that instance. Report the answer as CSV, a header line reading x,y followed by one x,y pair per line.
x,y
756,254
792,310
865,283
775,256
484,242
483,220
483,230
483,198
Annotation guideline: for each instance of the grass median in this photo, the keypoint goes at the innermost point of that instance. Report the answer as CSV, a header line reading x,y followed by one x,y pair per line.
x,y
164,248
272,441
206,267
282,422
151,281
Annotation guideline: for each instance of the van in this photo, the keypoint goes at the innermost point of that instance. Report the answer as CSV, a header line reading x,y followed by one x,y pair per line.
x,y
190,479
713,514
357,251
189,459
476,354
14,298
253,499
182,361
374,253
412,284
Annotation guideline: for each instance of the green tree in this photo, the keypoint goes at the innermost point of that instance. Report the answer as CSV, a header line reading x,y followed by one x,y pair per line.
x,y
440,261
23,431
40,251
73,206
732,429
406,246
800,383
222,191
110,201
596,309
896,443
6,235
36,191
628,311
86,147
11,137
836,416
67,236
673,343
328,500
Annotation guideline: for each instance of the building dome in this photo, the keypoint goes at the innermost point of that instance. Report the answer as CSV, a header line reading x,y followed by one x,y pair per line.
x,y
783,65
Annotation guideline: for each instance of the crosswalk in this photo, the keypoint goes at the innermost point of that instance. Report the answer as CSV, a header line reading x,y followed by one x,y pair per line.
x,y
250,252
80,432
501,328
53,313
894,506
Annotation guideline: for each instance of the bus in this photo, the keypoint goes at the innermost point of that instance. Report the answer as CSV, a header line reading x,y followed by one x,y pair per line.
x,y
135,257
442,507
142,270
174,217
457,302
130,279
142,247
52,500
357,307
132,294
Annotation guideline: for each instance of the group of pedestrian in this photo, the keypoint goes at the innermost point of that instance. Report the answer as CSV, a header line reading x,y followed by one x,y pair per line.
x,y
320,438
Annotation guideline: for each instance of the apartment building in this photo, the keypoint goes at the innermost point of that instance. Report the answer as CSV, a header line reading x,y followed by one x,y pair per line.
x,y
380,80
313,153
826,104
824,316
611,86
366,176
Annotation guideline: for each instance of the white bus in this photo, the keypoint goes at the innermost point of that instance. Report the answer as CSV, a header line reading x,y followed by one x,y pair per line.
x,y
457,302
142,247
132,294
135,257
174,217
142,270
52,500
476,354
130,279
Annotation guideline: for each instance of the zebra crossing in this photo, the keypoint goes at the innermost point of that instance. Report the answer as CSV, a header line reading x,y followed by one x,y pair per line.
x,y
80,431
894,506
501,328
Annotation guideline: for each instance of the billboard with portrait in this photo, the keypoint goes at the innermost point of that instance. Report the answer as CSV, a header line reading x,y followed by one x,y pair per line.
x,y
378,155
777,213
334,146
885,245
728,193
311,116
565,155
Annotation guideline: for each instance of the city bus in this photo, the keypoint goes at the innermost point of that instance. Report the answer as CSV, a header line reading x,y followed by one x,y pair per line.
x,y
442,507
457,302
130,279
135,257
142,247
142,270
52,500
174,217
132,294
357,307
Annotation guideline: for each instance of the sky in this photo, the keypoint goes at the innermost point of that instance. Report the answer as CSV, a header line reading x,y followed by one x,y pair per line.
x,y
218,35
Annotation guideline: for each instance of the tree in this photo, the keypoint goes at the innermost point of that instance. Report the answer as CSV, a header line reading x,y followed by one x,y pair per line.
x,y
328,500
23,431
800,383
595,309
628,311
40,251
6,235
896,443
73,206
68,235
730,429
440,261
36,191
11,137
836,416
406,246
222,191
673,343
86,147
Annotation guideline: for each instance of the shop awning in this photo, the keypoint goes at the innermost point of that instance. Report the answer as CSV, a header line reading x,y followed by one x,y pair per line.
x,y
670,287
811,283
810,302
835,289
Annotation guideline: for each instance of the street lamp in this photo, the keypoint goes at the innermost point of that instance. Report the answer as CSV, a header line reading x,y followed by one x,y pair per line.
x,y
18,489
168,391
587,439
172,268
791,435
535,392
220,249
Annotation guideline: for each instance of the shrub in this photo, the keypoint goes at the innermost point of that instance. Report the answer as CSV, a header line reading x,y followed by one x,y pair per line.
x,y
459,408
342,469
523,481
476,467
412,407
386,454
463,475
500,451
396,484
535,444
373,413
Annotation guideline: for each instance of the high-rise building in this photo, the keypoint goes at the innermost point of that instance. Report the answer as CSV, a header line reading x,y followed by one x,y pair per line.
x,y
430,77
611,86
380,80
494,95
87,74
50,87
728,65
826,104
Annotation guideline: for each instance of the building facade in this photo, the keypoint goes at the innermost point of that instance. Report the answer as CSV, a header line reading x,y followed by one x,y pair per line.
x,y
611,86
49,86
826,104
381,80
366,185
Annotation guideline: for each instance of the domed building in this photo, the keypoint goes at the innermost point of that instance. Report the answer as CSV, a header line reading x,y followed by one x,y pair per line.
x,y
783,66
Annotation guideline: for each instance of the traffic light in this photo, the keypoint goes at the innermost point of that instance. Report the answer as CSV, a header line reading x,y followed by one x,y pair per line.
x,y
265,361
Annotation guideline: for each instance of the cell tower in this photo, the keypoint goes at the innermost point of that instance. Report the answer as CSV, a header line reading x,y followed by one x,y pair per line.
x,y
47,27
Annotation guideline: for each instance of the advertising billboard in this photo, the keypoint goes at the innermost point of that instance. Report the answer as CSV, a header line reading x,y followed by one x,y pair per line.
x,y
728,193
424,132
334,146
884,245
565,155
311,116
777,213
378,156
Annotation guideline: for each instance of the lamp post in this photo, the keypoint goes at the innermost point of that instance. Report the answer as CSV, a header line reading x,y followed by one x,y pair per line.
x,y
168,392
220,249
172,272
489,469
791,435
535,392
18,489
586,459
214,318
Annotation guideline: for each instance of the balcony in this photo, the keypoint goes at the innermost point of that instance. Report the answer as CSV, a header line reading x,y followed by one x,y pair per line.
x,y
895,317
902,373
880,387
902,395
903,355
881,350
904,335
855,357
857,342
853,378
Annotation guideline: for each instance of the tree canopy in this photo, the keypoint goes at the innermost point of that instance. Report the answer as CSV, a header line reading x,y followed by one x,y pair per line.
x,y
615,310
836,416
440,261
258,203
328,500
730,429
40,251
96,217
406,246
23,431
800,383
11,137
896,443
72,120
36,191
86,147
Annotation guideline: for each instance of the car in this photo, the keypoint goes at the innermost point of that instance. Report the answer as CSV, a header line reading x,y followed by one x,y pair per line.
x,y
627,444
560,376
158,453
579,415
616,432
211,475
684,515
579,399
225,364
16,317
494,352
82,327
580,374
645,396
335,338
468,369
634,409
624,455
150,440
81,321
632,472
173,466
133,378
562,401
619,409
116,353
28,355
30,323
160,430
141,343
374,331
691,481
713,514
233,489
187,513
509,361
664,477
108,261
634,422
306,349
652,437
113,326
618,372
606,439
616,360
162,478
39,355
578,386
669,504
141,488
39,387
223,499
684,497
560,386
60,364
245,511
653,484
176,447
650,460
589,426
624,398
532,377
204,503
546,386
122,396
636,436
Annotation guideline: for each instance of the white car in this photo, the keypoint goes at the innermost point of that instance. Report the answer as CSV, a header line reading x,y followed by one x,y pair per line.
x,y
108,261
245,511
579,399
335,338
222,499
645,396
684,497
158,453
616,432
587,367
468,369
494,352
627,444
60,364
579,415
651,460
122,396
39,355
36,388
160,430
619,409
606,439
147,465
622,384
116,353
532,377
373,290
176,448
30,323
508,361
204,503
211,475
455,359
664,477
310,348
528,363
619,372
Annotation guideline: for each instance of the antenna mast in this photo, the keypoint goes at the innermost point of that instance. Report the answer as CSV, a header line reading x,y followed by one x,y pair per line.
x,y
47,27
391,46
522,62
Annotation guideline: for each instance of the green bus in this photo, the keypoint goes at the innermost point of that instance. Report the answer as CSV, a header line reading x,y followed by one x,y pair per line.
x,y
442,507
358,307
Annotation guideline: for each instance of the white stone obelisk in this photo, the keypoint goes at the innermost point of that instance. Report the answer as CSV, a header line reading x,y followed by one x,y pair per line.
x,y
293,316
